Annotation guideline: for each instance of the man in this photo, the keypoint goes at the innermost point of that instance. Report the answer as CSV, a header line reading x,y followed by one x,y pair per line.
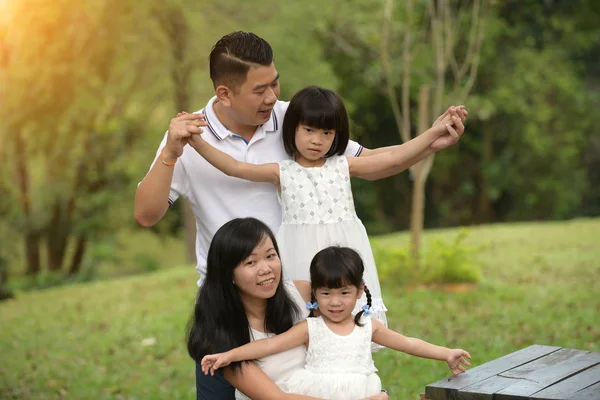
x,y
244,120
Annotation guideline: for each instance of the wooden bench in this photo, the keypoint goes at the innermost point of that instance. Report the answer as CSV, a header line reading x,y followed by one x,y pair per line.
x,y
536,372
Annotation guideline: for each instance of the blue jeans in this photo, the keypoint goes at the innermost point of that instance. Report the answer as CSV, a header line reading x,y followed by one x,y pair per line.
x,y
213,387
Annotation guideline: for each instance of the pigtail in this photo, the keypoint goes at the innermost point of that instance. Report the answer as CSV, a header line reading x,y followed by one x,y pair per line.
x,y
368,307
312,309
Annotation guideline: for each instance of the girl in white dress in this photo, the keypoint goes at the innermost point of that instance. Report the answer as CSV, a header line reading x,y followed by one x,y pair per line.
x,y
339,365
314,185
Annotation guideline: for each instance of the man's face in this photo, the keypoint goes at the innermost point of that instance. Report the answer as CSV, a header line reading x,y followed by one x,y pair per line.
x,y
253,101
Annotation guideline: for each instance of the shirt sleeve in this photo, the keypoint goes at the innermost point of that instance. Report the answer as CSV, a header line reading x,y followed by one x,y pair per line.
x,y
179,183
213,387
354,149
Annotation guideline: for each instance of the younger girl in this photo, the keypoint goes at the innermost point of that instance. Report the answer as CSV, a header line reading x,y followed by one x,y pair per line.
x,y
315,193
339,365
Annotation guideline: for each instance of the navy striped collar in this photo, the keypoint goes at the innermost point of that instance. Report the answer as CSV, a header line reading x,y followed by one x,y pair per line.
x,y
221,132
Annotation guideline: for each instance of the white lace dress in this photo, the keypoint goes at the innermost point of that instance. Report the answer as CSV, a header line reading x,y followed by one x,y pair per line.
x,y
318,212
337,367
280,366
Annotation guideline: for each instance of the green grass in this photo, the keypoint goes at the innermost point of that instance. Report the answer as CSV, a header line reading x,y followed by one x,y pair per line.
x,y
541,285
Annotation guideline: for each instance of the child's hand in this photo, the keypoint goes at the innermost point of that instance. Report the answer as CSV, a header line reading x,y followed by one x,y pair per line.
x,y
446,124
450,127
212,362
195,139
456,358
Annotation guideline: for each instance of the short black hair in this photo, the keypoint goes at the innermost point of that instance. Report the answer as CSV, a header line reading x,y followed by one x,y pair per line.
x,y
335,267
233,55
219,322
318,108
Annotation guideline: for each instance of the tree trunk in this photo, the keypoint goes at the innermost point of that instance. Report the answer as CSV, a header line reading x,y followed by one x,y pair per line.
x,y
80,248
56,238
31,235
417,216
32,253
420,174
178,31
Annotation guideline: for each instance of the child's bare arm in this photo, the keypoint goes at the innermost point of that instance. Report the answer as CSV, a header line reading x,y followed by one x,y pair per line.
x,y
232,167
420,348
399,158
294,337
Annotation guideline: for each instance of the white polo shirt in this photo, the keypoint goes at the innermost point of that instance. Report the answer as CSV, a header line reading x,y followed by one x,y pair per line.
x,y
216,198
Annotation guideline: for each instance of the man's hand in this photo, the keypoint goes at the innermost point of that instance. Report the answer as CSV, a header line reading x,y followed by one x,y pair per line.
x,y
456,358
454,130
180,129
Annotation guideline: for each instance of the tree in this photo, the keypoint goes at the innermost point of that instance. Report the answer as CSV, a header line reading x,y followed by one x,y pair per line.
x,y
435,71
67,122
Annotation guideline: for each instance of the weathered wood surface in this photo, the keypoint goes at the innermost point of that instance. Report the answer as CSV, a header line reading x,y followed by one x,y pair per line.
x,y
536,372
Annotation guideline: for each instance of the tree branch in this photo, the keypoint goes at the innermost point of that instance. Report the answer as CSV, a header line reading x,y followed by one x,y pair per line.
x,y
385,63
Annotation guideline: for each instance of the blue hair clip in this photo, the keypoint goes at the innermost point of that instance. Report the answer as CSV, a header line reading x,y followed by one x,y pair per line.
x,y
366,310
312,306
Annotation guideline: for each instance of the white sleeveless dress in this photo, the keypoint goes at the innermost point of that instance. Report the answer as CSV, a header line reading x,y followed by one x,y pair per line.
x,y
337,367
318,212
280,366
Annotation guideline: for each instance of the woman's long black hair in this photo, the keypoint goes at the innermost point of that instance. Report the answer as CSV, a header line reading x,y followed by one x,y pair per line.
x,y
219,322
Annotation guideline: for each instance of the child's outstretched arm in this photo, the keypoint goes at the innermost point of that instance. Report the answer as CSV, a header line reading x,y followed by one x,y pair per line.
x,y
294,337
455,358
232,167
399,158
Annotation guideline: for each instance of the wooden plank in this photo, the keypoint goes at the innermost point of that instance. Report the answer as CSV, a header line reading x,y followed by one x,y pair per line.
x,y
567,387
542,373
589,393
484,390
446,389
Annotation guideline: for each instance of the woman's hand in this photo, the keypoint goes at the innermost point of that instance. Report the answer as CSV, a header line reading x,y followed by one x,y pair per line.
x,y
456,358
212,362
380,396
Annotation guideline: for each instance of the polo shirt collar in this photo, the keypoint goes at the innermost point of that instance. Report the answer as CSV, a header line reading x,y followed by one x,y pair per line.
x,y
221,132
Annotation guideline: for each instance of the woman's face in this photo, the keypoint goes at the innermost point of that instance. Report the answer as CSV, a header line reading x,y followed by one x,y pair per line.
x,y
258,276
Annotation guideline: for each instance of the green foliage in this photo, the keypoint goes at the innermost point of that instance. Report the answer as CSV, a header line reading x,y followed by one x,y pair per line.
x,y
442,261
50,279
394,263
125,338
452,261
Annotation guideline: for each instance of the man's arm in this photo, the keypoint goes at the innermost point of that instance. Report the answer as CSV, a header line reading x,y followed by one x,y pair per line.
x,y
152,195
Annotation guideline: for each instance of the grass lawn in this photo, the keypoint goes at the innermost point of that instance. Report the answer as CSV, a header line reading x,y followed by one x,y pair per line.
x,y
124,339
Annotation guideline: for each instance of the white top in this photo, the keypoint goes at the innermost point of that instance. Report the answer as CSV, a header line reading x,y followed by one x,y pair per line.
x,y
282,365
318,212
330,353
337,367
216,198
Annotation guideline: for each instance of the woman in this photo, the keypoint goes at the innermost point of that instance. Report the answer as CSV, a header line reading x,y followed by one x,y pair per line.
x,y
243,298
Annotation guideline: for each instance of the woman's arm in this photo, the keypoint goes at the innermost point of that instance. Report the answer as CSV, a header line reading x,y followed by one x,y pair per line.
x,y
420,348
232,167
254,383
296,336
